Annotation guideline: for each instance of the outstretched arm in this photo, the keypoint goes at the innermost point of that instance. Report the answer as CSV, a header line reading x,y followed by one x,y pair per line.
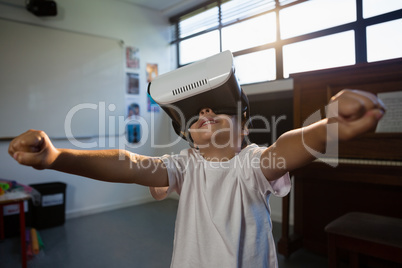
x,y
350,113
34,148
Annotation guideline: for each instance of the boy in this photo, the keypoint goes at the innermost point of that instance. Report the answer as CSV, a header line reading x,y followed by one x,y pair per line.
x,y
223,219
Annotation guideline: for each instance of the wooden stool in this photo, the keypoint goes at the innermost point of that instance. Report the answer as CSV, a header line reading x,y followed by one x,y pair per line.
x,y
365,234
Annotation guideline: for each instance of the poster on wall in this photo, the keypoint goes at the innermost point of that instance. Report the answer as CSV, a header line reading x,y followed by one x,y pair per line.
x,y
132,58
133,131
132,83
151,73
132,96
152,105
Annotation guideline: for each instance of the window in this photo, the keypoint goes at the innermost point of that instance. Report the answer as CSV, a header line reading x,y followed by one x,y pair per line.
x,y
199,47
315,15
373,8
319,53
237,10
254,32
256,67
271,39
384,41
199,21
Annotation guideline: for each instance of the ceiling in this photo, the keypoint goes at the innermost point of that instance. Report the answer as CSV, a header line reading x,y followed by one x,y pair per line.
x,y
168,8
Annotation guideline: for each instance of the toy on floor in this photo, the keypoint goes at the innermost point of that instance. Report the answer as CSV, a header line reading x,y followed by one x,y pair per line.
x,y
34,242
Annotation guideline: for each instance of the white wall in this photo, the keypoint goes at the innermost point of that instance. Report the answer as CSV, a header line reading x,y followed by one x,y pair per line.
x,y
140,27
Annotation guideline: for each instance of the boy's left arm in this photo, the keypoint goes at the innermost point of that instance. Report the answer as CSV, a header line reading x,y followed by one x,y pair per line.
x,y
350,113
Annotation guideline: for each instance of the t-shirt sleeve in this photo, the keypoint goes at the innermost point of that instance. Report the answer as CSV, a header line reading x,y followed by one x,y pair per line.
x,y
175,177
279,187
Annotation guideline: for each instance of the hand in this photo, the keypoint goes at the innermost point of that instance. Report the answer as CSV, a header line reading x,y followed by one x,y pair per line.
x,y
33,148
356,112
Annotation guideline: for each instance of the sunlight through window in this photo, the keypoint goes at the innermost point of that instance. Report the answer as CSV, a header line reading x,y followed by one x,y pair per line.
x,y
272,39
199,47
373,8
199,22
384,41
315,15
319,53
250,33
256,67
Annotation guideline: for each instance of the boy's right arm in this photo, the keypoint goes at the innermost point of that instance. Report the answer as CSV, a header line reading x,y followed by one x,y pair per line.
x,y
34,148
351,114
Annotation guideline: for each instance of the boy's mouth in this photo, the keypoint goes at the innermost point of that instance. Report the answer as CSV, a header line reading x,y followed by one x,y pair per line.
x,y
207,121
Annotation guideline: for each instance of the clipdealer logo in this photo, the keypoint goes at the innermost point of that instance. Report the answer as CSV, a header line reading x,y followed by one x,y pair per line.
x,y
331,154
109,124
103,122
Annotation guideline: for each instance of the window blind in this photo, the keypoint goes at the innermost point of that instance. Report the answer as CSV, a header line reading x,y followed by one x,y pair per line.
x,y
285,2
199,20
235,10
207,17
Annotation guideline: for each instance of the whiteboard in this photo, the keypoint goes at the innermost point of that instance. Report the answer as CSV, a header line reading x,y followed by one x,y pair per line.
x,y
50,79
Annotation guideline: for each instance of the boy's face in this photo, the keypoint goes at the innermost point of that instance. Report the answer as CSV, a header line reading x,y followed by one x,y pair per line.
x,y
218,130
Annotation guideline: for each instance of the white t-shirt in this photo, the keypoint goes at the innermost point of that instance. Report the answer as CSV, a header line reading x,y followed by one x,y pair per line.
x,y
223,219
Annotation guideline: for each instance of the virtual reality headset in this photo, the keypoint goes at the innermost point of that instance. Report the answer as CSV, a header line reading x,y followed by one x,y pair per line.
x,y
209,83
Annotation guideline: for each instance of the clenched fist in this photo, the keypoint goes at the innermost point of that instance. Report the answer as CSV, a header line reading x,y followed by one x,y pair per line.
x,y
355,111
33,148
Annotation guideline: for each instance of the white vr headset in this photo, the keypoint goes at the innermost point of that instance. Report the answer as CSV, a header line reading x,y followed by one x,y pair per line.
x,y
209,83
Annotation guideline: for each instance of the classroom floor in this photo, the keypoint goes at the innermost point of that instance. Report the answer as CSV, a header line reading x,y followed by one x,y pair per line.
x,y
138,236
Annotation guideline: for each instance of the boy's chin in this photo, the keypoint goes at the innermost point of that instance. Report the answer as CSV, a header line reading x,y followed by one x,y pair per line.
x,y
213,140
218,144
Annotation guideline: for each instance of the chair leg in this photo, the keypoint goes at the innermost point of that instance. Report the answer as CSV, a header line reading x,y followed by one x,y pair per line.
x,y
332,252
354,259
1,223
